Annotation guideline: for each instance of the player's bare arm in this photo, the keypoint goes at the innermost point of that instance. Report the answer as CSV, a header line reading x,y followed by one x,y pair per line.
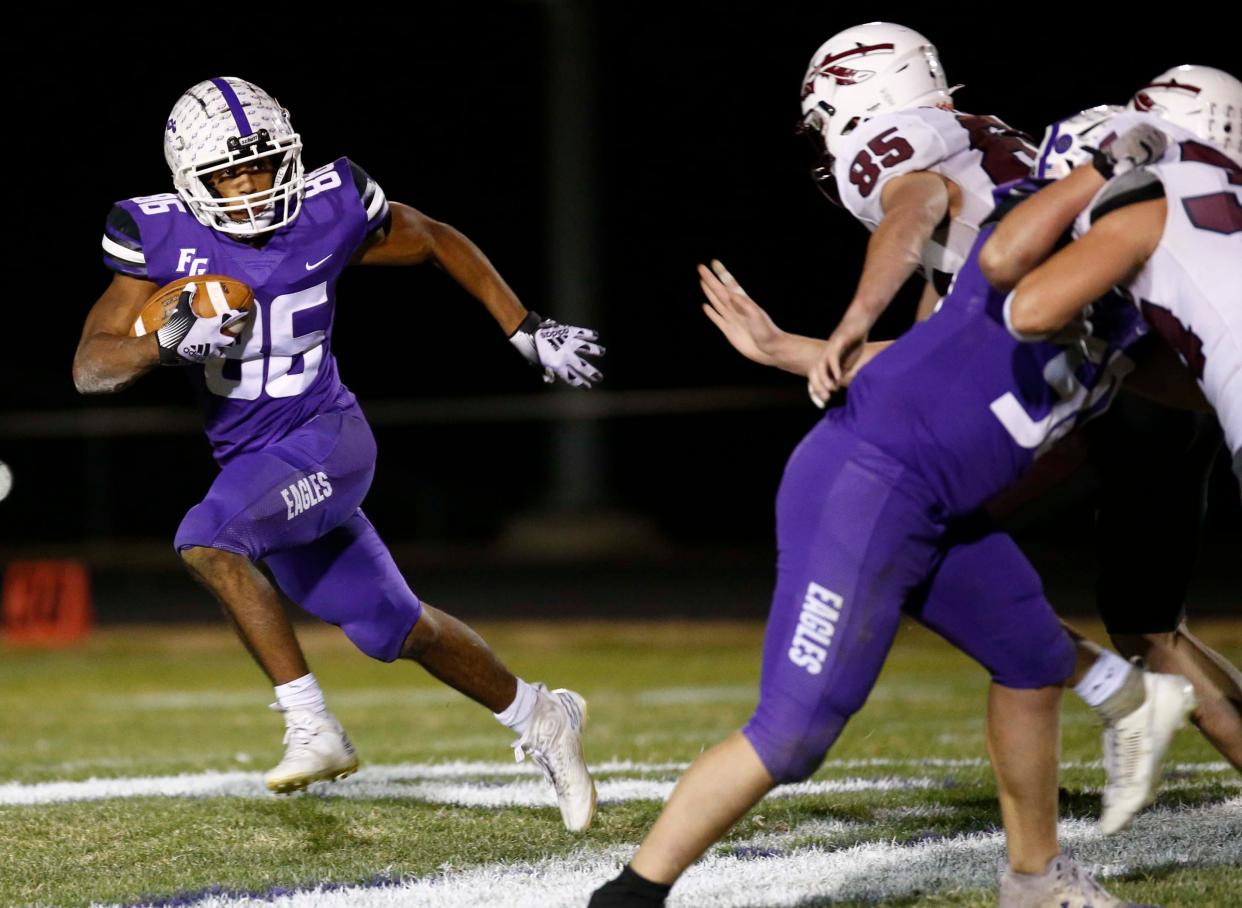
x,y
749,329
914,205
1108,254
107,359
415,238
928,300
1026,236
559,351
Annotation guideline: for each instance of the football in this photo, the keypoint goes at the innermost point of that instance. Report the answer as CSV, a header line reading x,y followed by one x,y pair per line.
x,y
216,294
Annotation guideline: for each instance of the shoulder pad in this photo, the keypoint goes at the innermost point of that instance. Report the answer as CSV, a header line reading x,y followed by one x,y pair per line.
x,y
122,243
373,200
1194,150
1140,185
947,125
323,179
882,148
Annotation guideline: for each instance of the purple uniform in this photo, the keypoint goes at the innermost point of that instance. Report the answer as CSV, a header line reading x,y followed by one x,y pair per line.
x,y
968,408
873,515
281,372
296,454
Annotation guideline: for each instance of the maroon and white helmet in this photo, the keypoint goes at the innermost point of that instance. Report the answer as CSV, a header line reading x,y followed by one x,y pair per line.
x,y
1203,100
868,70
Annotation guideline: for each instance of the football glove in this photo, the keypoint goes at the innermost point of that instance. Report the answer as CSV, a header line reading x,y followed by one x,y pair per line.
x,y
1136,147
188,338
559,351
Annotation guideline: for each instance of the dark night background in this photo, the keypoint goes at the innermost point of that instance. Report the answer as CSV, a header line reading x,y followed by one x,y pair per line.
x,y
684,112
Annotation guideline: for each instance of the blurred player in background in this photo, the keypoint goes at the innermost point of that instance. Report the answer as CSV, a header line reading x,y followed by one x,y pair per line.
x,y
1187,290
295,452
922,214
875,518
920,176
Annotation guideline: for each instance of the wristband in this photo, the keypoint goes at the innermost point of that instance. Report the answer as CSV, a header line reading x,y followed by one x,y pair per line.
x,y
524,337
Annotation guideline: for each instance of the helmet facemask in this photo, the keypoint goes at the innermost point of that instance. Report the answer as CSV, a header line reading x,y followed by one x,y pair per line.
x,y
265,209
211,131
813,125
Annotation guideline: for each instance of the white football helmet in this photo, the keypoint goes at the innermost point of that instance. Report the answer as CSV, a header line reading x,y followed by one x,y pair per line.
x,y
1206,101
868,70
1067,142
224,122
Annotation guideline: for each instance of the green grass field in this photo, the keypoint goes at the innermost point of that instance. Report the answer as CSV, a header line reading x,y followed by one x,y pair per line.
x,y
887,821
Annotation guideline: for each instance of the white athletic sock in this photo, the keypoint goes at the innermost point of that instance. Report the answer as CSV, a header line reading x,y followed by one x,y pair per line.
x,y
1103,679
517,714
301,693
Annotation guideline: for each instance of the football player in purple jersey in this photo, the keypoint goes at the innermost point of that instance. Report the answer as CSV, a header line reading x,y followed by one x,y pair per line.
x,y
876,519
295,452
895,153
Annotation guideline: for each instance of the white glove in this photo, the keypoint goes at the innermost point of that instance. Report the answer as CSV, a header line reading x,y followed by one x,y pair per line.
x,y
560,351
189,338
1137,147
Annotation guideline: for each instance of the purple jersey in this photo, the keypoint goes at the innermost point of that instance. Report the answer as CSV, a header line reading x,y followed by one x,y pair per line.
x,y
968,407
281,373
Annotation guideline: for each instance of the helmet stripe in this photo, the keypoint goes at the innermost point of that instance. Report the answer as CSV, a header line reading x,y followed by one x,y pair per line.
x,y
854,52
1173,83
235,107
1041,166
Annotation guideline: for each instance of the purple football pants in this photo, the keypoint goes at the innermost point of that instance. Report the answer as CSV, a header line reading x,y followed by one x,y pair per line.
x,y
295,506
859,540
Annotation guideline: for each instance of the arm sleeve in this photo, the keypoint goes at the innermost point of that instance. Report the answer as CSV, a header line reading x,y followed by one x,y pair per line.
x,y
379,218
880,149
122,244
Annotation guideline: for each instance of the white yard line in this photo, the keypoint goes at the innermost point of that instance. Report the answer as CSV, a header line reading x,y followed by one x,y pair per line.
x,y
731,878
427,784
470,783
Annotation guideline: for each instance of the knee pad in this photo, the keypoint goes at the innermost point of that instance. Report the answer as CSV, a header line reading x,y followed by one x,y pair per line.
x,y
791,754
207,526
348,578
1043,661
375,616
380,628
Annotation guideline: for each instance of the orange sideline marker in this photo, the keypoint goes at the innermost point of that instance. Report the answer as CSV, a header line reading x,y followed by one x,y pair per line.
x,y
47,603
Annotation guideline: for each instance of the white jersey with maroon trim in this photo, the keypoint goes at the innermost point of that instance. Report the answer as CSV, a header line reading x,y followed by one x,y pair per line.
x,y
975,153
1190,290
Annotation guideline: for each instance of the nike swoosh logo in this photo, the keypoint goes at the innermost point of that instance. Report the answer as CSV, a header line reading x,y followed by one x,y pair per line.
x,y
310,267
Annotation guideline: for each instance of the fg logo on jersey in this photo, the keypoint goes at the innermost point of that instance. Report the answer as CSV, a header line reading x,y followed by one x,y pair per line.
x,y
188,259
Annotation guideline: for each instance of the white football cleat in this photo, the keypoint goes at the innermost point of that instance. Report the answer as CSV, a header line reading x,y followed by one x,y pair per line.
x,y
1135,745
554,741
316,749
1063,884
